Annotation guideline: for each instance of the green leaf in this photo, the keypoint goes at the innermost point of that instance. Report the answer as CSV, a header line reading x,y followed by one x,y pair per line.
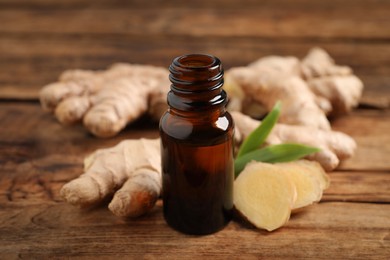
x,y
258,136
274,154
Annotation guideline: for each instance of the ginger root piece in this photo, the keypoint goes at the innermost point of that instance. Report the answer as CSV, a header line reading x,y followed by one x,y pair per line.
x,y
335,146
330,81
106,101
130,171
274,65
343,92
158,102
264,196
309,179
299,102
277,65
312,168
309,90
318,63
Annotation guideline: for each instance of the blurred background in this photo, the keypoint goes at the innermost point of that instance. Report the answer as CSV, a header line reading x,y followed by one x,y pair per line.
x,y
41,38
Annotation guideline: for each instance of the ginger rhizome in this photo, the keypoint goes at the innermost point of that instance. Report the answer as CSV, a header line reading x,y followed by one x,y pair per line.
x,y
310,180
265,194
130,171
335,146
106,101
308,89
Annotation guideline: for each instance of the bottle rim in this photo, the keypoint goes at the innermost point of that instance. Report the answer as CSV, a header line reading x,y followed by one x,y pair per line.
x,y
197,61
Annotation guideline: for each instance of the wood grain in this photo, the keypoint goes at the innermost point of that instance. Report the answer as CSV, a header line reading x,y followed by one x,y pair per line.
x,y
38,154
42,59
274,22
41,134
370,129
84,233
215,4
358,187
41,38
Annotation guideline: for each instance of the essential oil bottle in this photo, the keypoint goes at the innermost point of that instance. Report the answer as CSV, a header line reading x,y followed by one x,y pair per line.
x,y
197,147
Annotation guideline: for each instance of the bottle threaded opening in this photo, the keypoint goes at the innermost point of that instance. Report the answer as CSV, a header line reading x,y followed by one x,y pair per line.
x,y
196,73
197,61
197,81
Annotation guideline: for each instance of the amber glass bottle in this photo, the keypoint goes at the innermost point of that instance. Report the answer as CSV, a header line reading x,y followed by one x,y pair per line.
x,y
197,147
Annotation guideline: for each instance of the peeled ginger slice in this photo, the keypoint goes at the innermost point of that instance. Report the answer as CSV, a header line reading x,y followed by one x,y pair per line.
x,y
313,168
264,196
307,179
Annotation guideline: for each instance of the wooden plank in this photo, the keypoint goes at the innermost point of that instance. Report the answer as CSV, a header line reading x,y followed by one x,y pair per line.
x,y
376,91
39,156
52,230
30,133
37,177
359,187
38,180
220,4
36,152
342,23
370,129
159,50
41,59
41,38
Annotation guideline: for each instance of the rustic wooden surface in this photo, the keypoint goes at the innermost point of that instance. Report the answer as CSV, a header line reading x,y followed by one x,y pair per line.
x,y
40,38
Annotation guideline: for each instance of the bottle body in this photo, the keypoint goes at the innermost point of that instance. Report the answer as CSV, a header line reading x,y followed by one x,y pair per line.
x,y
197,157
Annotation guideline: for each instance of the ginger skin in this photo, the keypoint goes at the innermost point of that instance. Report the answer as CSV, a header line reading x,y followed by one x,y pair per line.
x,y
334,83
335,146
309,89
299,103
106,101
130,171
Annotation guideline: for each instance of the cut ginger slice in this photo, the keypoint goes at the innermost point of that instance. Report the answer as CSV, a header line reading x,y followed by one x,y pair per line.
x,y
264,196
308,180
313,168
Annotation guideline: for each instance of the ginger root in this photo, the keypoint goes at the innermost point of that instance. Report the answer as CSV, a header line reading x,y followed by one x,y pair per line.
x,y
299,103
335,146
310,180
331,82
106,101
308,89
130,171
265,194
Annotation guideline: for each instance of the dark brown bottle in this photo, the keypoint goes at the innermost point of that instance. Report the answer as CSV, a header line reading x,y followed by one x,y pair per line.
x,y
197,147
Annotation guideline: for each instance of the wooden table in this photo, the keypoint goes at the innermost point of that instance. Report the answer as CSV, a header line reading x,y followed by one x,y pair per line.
x,y
39,39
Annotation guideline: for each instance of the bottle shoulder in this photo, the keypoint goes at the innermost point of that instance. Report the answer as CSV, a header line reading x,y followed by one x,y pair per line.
x,y
197,130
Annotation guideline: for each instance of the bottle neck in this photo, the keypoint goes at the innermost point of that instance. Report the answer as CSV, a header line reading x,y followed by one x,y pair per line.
x,y
196,87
